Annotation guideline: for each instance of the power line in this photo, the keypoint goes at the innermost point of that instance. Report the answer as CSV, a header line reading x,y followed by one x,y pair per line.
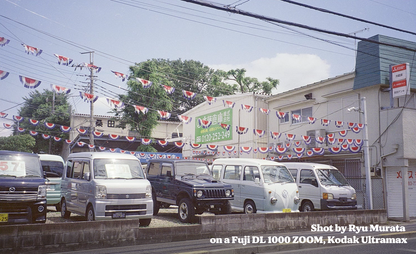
x,y
264,18
347,16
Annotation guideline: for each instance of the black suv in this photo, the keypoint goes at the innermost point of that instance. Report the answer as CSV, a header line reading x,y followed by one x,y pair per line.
x,y
22,188
189,185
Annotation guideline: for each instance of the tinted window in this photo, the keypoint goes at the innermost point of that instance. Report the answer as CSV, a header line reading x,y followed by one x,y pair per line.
x,y
307,176
53,168
77,169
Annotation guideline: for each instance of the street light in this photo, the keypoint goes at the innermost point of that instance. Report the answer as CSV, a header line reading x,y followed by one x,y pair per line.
x,y
369,191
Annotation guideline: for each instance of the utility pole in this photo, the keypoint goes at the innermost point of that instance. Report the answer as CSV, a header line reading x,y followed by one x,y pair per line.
x,y
368,187
53,113
91,92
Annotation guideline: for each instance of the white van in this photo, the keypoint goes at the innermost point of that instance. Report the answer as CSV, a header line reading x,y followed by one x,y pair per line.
x,y
259,185
100,185
322,187
53,168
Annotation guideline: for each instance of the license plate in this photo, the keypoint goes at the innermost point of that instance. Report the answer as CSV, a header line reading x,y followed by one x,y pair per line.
x,y
287,210
4,217
119,215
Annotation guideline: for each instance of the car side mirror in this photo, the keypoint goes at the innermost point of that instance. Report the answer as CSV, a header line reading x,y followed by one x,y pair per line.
x,y
169,173
314,183
257,180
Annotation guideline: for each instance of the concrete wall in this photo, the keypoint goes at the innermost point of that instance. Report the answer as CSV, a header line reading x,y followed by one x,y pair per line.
x,y
47,238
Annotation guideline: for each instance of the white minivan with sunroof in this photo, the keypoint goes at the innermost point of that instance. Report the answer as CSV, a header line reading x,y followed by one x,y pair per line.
x,y
259,185
101,185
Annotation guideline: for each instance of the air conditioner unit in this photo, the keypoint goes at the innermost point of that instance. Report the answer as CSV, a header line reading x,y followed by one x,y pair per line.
x,y
316,133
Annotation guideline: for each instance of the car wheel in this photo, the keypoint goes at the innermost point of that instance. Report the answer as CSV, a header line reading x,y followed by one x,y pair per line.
x,y
89,214
249,207
307,206
144,222
64,212
186,210
226,209
156,205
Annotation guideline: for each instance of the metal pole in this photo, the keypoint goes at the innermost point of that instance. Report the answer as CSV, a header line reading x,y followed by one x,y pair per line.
x,y
368,188
53,112
91,103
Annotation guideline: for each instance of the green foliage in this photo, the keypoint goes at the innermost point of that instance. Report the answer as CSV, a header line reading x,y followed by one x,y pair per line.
x,y
21,143
248,84
38,106
146,148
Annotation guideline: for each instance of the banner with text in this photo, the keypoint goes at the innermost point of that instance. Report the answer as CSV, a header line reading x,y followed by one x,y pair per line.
x,y
214,133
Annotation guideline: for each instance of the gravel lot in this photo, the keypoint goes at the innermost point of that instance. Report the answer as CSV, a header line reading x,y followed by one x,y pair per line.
x,y
167,217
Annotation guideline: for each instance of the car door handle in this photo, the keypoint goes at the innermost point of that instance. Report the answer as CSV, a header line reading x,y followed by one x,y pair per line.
x,y
299,186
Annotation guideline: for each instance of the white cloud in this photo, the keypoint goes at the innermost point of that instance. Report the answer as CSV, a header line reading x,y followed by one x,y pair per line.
x,y
293,70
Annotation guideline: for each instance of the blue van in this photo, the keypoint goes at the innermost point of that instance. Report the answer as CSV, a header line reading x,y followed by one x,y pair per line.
x,y
22,188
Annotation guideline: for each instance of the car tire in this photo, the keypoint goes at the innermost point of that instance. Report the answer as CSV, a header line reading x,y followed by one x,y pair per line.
x,y
156,205
307,206
64,210
249,207
186,210
89,214
226,209
144,222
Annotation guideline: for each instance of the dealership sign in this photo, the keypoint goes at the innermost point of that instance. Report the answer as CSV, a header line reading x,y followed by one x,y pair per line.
x,y
400,77
214,132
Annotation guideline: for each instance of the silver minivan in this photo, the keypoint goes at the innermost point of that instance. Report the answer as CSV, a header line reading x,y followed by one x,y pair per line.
x,y
322,187
259,185
100,185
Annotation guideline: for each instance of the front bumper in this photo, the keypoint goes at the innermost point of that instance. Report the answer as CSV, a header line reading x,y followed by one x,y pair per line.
x,y
127,208
338,204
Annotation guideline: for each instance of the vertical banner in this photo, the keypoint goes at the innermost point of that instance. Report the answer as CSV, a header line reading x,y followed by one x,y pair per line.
x,y
214,133
400,77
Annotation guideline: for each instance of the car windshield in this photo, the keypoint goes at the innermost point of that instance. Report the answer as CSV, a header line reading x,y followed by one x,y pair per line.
x,y
20,166
331,177
192,168
53,168
117,169
276,174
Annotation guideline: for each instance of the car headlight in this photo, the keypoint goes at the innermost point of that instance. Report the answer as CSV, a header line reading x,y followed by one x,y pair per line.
x,y
296,200
228,193
148,191
354,196
199,193
100,192
273,200
42,191
327,195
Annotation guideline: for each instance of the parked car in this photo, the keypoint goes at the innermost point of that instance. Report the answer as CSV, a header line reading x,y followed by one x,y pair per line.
x,y
101,185
322,187
22,188
189,185
53,167
259,185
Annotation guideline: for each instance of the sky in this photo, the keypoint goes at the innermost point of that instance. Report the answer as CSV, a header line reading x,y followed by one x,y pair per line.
x,y
124,32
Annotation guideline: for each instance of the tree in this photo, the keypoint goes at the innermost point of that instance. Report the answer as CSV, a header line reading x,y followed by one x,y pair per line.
x,y
21,143
38,106
248,84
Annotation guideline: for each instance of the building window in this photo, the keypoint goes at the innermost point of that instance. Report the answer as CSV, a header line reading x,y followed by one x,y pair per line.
x,y
285,119
175,135
99,123
303,115
111,123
